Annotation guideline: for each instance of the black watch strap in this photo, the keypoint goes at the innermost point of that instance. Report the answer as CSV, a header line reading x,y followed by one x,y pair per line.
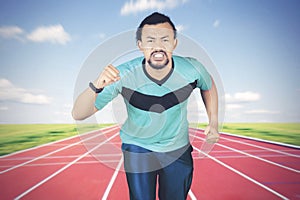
x,y
96,90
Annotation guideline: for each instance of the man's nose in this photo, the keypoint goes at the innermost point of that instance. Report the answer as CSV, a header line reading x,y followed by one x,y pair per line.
x,y
158,45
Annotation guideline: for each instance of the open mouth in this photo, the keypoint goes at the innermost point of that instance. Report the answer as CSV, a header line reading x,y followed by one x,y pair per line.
x,y
158,55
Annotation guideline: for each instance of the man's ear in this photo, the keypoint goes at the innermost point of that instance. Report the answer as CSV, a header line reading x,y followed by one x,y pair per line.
x,y
175,43
139,44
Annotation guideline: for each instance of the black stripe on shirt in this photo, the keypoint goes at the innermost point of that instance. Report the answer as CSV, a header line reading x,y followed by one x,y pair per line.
x,y
157,104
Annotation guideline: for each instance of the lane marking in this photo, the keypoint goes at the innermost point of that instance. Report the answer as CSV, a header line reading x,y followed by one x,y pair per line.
x,y
261,159
254,139
78,163
243,156
264,148
262,140
242,174
192,196
112,180
64,168
262,154
255,157
296,148
55,151
59,157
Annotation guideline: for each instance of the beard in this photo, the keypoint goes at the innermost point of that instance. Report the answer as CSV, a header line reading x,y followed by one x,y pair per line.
x,y
161,65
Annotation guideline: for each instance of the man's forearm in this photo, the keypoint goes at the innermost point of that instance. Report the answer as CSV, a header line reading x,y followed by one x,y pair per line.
x,y
84,105
210,99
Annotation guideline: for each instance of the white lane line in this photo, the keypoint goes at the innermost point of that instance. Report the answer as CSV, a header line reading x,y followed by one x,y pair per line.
x,y
253,139
242,174
262,140
65,167
109,160
53,143
112,180
292,148
64,163
192,196
255,157
59,157
262,159
261,147
240,156
262,153
52,152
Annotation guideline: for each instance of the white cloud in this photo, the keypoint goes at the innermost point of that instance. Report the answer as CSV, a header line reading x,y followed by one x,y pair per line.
x,y
233,106
216,23
54,34
9,92
261,111
10,31
242,97
144,5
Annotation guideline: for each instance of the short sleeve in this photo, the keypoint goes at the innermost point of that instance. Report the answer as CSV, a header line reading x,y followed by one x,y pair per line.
x,y
204,81
106,95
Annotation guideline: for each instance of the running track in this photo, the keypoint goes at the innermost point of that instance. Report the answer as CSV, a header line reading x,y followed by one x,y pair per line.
x,y
236,168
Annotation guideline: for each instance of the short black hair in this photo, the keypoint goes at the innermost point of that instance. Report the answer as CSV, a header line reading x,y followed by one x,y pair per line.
x,y
153,19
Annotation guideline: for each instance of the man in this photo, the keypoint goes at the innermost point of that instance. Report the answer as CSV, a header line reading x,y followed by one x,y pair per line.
x,y
155,88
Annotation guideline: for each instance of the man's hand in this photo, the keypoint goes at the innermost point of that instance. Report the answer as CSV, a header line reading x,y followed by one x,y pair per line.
x,y
109,75
212,135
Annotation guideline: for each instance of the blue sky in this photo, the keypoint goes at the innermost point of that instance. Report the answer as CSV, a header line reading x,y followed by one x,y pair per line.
x,y
254,45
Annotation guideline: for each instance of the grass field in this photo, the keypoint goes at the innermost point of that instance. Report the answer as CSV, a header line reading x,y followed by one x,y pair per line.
x,y
16,137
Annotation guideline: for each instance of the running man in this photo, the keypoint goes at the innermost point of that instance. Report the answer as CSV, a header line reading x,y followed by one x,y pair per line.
x,y
155,88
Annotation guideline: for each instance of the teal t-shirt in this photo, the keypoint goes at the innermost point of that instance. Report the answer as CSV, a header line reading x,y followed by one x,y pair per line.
x,y
157,110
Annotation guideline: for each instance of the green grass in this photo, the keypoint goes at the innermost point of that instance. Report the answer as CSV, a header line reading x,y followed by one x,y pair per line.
x,y
16,137
288,133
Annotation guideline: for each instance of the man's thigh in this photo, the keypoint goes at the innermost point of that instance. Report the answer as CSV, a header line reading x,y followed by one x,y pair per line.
x,y
175,179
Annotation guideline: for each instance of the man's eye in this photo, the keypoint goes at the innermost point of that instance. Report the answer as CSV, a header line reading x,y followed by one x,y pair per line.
x,y
149,41
165,40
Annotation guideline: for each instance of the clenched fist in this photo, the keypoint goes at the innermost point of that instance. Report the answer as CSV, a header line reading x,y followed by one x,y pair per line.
x,y
212,135
109,75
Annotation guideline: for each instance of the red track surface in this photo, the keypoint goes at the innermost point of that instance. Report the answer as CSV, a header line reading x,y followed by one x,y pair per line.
x,y
90,167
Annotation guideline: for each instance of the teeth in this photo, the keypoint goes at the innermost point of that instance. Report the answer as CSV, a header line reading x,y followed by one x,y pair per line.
x,y
158,55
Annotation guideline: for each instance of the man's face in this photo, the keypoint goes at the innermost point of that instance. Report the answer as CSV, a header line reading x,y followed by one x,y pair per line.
x,y
157,43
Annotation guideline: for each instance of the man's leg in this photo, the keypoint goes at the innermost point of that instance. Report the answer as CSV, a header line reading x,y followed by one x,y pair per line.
x,y
140,170
142,186
175,179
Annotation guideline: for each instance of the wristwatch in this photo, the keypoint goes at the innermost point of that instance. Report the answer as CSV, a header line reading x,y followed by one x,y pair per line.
x,y
96,90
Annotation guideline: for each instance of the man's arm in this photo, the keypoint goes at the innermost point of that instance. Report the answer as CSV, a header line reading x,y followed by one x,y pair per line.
x,y
84,105
210,99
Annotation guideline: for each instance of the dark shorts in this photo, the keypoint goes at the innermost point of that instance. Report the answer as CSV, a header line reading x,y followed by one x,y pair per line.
x,y
173,171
